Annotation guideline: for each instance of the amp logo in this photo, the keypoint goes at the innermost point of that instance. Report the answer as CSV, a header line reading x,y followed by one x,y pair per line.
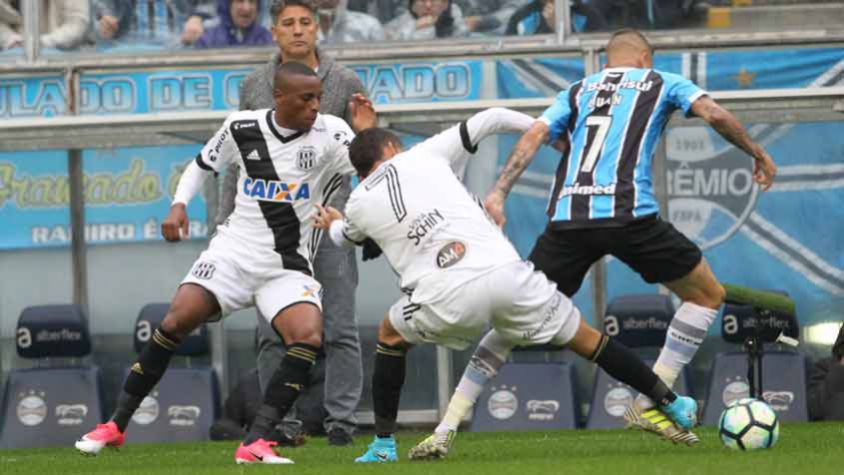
x,y
450,254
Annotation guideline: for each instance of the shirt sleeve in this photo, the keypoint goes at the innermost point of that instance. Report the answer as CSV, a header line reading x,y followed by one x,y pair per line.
x,y
460,141
344,233
556,117
219,151
341,137
680,92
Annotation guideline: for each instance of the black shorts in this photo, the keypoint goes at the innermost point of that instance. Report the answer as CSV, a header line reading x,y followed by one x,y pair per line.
x,y
650,246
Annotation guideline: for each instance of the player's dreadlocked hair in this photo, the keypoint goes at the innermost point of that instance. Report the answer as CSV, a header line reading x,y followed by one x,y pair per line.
x,y
368,148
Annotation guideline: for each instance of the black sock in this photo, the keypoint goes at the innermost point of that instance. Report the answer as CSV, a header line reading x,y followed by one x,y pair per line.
x,y
622,364
285,385
387,382
144,375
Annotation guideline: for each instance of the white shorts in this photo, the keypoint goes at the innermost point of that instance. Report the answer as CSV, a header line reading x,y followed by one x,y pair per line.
x,y
241,276
520,303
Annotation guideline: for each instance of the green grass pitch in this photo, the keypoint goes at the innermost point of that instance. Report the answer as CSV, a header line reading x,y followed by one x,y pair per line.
x,y
802,448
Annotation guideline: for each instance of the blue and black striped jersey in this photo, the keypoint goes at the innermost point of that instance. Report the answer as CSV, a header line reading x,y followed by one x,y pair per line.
x,y
613,120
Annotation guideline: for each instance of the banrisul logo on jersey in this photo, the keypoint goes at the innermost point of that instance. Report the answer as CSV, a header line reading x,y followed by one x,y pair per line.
x,y
272,190
711,191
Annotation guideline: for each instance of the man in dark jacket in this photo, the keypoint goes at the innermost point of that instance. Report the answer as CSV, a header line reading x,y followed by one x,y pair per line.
x,y
238,26
826,385
295,29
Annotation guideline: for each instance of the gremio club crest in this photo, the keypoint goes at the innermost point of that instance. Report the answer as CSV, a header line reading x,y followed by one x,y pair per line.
x,y
711,191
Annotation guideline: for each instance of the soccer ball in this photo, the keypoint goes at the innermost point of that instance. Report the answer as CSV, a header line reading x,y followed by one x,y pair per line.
x,y
749,424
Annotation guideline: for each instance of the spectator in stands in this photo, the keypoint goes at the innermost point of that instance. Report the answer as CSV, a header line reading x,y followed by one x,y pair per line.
x,y
651,14
489,16
384,10
163,23
826,385
63,23
538,17
428,19
238,26
337,24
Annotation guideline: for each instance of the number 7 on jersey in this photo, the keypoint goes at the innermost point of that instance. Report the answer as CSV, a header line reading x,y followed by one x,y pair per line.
x,y
603,125
391,177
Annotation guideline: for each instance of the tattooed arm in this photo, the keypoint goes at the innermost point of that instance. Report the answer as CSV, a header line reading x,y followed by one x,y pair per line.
x,y
519,159
726,124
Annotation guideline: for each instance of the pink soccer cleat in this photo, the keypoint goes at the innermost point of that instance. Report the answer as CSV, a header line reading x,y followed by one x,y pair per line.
x,y
259,451
105,435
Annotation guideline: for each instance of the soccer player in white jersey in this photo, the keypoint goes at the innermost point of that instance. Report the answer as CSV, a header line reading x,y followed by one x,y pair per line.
x,y
460,275
291,157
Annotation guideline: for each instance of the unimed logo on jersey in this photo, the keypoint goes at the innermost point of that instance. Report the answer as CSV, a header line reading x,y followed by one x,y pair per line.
x,y
710,192
271,190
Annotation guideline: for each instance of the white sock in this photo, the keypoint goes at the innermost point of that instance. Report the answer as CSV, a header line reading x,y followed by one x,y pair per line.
x,y
488,358
685,334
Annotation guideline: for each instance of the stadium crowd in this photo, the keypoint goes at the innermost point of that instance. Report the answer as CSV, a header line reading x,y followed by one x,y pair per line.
x,y
138,25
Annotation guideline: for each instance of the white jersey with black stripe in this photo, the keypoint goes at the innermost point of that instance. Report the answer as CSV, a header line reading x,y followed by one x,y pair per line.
x,y
283,173
431,229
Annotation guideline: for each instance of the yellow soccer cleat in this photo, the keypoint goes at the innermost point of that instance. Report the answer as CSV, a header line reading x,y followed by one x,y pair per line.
x,y
653,420
434,447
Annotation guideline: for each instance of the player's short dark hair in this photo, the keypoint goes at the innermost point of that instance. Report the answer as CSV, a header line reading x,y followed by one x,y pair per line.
x,y
631,32
291,68
367,148
278,6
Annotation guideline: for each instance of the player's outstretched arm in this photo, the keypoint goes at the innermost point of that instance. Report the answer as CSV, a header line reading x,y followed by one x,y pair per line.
x,y
519,159
729,127
175,226
363,113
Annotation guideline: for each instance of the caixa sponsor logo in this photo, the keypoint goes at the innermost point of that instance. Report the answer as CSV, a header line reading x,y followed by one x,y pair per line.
x,y
542,410
271,190
710,192
183,415
71,414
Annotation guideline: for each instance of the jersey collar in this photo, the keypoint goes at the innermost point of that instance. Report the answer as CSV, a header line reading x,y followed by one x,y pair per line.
x,y
272,125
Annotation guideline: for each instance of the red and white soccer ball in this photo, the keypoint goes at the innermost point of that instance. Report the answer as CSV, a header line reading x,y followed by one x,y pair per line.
x,y
749,424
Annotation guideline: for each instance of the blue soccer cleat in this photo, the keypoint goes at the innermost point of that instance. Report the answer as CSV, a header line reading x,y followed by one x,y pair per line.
x,y
380,450
683,411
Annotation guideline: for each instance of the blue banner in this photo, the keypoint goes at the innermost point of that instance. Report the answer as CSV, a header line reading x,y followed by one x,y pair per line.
x,y
185,90
421,82
32,96
127,195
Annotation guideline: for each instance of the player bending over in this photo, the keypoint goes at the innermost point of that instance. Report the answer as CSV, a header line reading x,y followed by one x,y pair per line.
x,y
603,200
460,274
290,158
